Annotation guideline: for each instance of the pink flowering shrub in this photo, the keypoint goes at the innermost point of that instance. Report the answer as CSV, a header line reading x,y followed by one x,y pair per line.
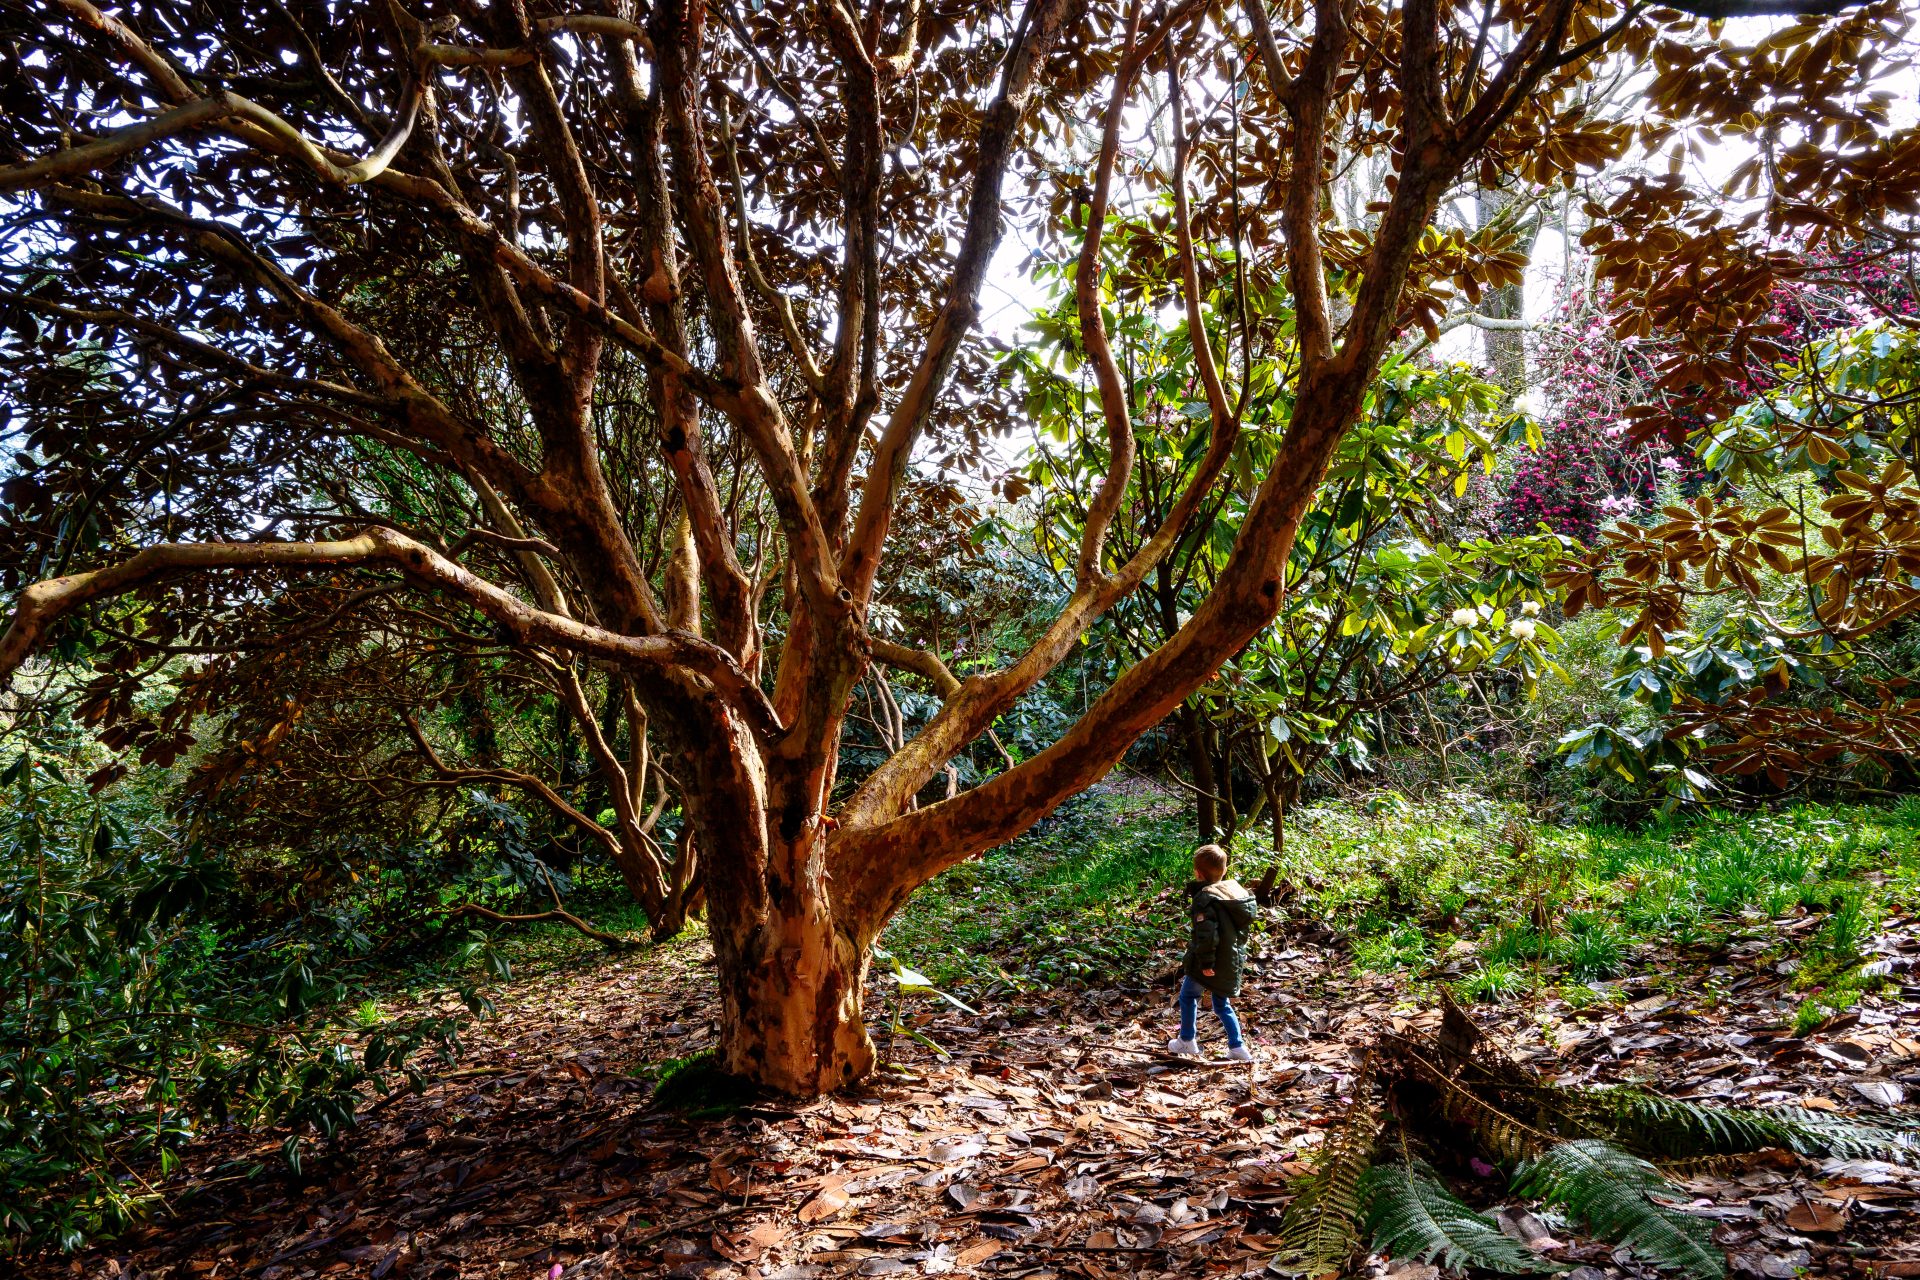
x,y
1590,470
1586,471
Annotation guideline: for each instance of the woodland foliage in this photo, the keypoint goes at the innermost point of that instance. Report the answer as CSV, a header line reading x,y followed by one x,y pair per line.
x,y
502,444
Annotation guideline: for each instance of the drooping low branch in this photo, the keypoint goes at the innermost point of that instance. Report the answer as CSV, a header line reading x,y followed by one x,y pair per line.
x,y
641,879
612,941
43,605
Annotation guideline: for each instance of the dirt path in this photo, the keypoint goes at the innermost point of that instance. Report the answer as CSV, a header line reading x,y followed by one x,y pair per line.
x,y
1054,1142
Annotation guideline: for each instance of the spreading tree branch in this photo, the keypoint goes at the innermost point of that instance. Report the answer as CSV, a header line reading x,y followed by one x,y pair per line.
x,y
45,604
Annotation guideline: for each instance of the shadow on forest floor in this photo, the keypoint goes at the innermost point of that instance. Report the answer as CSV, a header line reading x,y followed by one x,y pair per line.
x,y
1055,1141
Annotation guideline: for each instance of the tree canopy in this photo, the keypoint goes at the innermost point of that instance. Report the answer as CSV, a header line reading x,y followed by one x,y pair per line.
x,y
391,361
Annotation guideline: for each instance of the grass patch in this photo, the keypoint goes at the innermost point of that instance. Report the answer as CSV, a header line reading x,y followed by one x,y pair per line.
x,y
1532,905
1455,886
1076,900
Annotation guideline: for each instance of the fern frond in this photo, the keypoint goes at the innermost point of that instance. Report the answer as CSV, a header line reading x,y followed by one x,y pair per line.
x,y
1610,1193
1650,1125
1412,1217
1675,1129
1503,1136
1815,1133
1681,1169
1322,1224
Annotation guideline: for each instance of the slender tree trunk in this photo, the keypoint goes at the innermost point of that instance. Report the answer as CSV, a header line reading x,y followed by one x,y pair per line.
x,y
1223,779
1200,759
1281,790
1506,350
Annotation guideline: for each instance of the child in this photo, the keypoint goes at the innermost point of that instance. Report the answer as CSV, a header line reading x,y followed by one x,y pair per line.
x,y
1222,911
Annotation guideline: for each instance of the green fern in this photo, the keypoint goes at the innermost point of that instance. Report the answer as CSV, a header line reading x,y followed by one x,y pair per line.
x,y
1674,1129
1610,1193
1720,1166
1411,1216
1661,1128
1814,1133
1321,1228
1505,1138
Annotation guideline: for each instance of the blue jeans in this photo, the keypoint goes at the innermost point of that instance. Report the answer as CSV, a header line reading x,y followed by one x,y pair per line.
x,y
1190,993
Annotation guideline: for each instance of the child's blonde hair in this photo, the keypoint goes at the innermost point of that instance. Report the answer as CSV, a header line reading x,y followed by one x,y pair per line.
x,y
1210,862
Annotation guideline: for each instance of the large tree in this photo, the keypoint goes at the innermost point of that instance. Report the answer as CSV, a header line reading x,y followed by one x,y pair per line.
x,y
609,286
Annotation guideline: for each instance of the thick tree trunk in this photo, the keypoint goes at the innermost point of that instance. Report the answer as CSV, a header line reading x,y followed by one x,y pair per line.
x,y
791,974
791,1014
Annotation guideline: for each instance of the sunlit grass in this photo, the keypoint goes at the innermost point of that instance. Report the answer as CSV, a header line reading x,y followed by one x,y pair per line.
x,y
1070,901
1535,903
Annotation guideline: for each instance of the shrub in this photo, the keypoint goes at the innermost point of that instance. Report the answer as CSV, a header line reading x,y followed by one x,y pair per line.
x,y
133,1020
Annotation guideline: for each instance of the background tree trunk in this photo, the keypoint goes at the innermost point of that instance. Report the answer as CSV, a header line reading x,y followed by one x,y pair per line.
x,y
1506,350
1200,757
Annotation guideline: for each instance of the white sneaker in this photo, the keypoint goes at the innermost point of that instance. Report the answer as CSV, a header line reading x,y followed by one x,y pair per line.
x,y
1184,1048
1240,1053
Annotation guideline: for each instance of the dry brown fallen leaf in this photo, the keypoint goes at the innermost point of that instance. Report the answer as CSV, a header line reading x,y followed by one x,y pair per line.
x,y
1884,1093
750,1245
1809,1216
825,1203
974,1254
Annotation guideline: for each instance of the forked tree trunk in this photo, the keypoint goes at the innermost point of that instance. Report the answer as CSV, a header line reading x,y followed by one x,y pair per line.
x,y
791,981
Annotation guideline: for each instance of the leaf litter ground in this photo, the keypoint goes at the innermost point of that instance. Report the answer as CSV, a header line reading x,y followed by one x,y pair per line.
x,y
1056,1141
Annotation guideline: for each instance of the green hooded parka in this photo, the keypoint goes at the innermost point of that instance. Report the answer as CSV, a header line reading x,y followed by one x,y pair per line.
x,y
1222,913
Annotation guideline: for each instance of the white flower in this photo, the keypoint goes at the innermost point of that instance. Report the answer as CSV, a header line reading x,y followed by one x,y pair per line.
x,y
1465,617
1520,629
1530,609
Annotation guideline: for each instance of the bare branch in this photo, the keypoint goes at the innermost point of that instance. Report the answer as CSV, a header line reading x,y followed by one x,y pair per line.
x,y
1203,361
107,148
1114,411
1718,10
1279,83
1310,100
612,941
677,39
782,305
216,108
1040,28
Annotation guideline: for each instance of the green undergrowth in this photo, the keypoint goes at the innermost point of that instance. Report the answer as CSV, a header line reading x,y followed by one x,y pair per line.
x,y
1467,889
1453,886
1077,900
695,1087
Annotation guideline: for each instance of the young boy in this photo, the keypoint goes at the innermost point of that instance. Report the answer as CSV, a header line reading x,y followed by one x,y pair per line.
x,y
1222,911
